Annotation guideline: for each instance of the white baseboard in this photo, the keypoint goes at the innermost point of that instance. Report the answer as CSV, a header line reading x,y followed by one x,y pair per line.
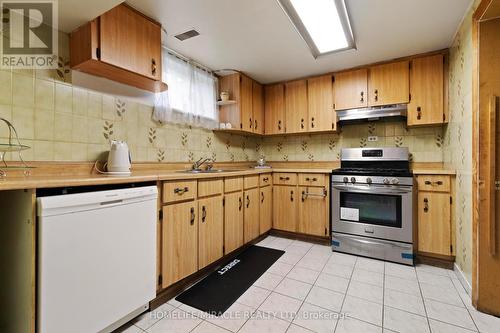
x,y
463,280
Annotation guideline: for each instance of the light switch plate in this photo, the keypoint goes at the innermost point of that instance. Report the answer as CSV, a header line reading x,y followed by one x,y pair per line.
x,y
372,138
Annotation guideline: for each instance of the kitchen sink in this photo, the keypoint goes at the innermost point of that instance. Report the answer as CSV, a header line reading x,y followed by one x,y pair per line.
x,y
208,171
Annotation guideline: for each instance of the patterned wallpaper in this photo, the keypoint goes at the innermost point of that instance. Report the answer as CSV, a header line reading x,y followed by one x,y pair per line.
x,y
458,138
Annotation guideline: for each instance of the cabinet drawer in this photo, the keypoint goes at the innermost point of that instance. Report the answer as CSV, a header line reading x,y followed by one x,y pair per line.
x,y
265,179
434,183
312,179
209,187
233,184
250,182
179,191
285,178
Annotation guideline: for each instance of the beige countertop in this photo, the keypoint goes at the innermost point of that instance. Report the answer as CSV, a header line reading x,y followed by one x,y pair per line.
x,y
433,171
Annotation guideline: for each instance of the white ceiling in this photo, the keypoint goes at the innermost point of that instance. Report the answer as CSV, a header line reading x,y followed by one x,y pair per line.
x,y
74,13
256,37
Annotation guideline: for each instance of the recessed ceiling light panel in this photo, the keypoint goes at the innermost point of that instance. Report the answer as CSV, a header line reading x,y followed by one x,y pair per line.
x,y
323,24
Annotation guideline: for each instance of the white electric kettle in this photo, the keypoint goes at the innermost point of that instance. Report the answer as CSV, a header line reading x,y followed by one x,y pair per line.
x,y
119,157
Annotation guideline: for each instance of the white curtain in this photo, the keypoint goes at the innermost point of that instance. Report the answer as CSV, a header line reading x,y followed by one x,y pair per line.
x,y
191,95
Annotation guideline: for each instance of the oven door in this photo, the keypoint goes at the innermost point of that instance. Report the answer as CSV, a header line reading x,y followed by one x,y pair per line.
x,y
380,211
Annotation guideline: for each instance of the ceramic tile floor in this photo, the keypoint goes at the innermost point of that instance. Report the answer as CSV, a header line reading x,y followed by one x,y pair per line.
x,y
311,289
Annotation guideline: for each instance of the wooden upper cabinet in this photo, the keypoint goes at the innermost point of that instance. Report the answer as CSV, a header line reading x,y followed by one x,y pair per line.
x,y
296,106
426,105
351,89
258,108
389,84
274,109
322,116
245,103
122,45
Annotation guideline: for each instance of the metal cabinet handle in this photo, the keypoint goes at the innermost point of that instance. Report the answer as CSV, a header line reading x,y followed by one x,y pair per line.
x,y
284,178
426,205
376,95
241,203
248,201
279,125
250,121
261,197
304,196
312,122
203,213
255,126
302,123
180,191
362,97
291,195
193,216
153,67
439,182
313,179
419,112
265,179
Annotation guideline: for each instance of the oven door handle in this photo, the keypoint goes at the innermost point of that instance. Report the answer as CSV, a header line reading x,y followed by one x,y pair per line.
x,y
371,188
369,242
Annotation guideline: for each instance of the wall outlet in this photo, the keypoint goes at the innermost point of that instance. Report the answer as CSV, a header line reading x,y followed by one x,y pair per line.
x,y
372,138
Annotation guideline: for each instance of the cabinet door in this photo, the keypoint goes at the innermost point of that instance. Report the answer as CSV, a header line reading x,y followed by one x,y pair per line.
x,y
179,242
274,109
389,84
285,208
351,89
427,90
211,230
434,224
131,41
296,106
258,108
313,211
251,214
246,86
321,113
233,221
266,209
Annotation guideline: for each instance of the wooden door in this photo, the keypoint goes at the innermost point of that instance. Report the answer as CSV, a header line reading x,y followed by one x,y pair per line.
x,y
211,230
251,214
389,83
322,116
434,223
296,106
179,242
266,209
426,105
258,108
274,109
131,41
233,221
351,89
313,211
285,208
246,87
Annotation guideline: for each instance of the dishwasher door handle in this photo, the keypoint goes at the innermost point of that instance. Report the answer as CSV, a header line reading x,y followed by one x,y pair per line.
x,y
112,202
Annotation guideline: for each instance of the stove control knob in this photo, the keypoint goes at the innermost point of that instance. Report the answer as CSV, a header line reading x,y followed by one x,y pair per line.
x,y
395,181
346,180
386,181
353,180
368,180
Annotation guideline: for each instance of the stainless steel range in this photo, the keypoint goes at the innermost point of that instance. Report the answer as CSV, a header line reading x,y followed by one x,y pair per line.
x,y
372,204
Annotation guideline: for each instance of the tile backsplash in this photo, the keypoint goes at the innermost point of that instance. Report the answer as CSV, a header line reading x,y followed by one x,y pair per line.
x,y
64,122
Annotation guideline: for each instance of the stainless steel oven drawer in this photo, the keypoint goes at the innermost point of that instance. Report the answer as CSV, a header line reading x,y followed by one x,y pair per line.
x,y
373,248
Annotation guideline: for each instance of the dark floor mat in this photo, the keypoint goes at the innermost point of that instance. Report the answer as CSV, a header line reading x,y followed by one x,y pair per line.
x,y
219,290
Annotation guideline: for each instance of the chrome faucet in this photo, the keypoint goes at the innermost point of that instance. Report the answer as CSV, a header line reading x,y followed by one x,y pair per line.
x,y
208,161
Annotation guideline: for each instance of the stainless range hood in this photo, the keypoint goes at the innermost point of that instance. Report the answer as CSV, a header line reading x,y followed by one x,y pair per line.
x,y
396,111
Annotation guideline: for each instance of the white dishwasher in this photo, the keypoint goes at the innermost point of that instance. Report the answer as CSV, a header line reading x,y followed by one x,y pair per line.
x,y
96,259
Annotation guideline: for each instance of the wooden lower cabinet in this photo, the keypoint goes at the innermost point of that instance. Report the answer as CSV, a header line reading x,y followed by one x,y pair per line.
x,y
179,242
313,211
211,230
251,214
434,223
266,209
285,208
233,221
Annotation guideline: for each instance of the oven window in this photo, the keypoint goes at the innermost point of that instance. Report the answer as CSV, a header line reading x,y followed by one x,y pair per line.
x,y
374,209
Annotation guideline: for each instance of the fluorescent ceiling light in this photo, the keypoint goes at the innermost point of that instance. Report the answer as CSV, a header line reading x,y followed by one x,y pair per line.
x,y
323,24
